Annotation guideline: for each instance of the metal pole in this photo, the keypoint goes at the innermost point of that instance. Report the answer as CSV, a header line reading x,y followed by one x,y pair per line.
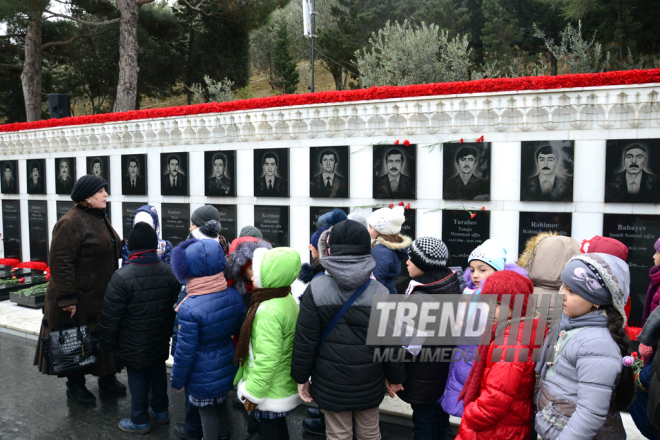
x,y
313,40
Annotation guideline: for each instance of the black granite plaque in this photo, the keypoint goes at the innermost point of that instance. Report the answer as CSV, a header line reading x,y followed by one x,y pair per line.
x,y
36,176
62,207
317,211
271,172
466,171
176,222
395,172
38,224
632,171
100,167
11,228
9,177
273,222
174,178
533,223
127,210
220,173
329,171
409,228
639,233
228,219
462,234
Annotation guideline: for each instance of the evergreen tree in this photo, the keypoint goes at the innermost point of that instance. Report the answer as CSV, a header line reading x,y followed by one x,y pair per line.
x,y
284,76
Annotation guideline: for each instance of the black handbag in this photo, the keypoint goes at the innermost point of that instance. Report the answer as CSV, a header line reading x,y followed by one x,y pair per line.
x,y
71,350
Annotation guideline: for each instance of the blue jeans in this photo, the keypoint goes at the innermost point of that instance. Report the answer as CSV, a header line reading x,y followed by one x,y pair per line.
x,y
430,420
139,383
193,425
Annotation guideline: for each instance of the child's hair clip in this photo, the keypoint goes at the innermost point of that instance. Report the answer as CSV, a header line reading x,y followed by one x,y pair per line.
x,y
628,361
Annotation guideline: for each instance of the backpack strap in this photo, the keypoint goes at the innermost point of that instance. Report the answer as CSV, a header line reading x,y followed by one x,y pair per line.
x,y
343,310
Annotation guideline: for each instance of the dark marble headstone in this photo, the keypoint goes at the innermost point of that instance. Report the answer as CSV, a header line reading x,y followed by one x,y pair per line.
x,y
273,222
228,220
409,228
11,228
127,210
462,234
62,207
533,223
175,222
639,233
317,211
38,224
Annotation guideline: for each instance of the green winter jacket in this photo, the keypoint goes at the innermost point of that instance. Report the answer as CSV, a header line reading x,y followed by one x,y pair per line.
x,y
265,379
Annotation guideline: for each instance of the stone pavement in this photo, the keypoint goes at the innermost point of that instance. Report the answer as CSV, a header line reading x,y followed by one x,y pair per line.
x,y
19,329
34,407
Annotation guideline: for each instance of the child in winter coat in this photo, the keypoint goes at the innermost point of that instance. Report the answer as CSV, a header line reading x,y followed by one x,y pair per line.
x,y
208,316
239,268
583,384
389,248
266,343
498,393
136,324
425,381
653,294
148,214
645,410
485,260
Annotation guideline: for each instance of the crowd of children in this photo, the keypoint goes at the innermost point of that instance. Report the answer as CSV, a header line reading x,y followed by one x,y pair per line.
x,y
237,324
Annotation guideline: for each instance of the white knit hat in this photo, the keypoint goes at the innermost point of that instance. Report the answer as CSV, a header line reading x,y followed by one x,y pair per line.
x,y
387,221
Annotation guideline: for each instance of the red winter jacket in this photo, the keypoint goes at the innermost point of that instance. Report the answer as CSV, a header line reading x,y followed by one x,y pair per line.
x,y
505,406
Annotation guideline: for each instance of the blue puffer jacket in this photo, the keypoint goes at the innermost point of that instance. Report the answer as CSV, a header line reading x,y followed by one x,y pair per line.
x,y
388,257
203,359
639,408
164,246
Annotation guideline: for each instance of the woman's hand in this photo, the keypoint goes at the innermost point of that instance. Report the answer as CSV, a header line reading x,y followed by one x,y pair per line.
x,y
392,389
303,391
71,309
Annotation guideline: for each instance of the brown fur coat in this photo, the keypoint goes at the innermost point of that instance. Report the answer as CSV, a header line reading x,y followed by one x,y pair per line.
x,y
84,254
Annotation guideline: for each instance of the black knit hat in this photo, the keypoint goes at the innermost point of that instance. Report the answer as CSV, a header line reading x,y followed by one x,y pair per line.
x,y
428,254
203,214
349,238
142,236
87,186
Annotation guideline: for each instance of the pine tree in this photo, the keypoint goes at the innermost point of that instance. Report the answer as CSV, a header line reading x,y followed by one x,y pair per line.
x,y
284,76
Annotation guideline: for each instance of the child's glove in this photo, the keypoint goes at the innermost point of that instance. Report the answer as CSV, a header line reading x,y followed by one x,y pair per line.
x,y
645,350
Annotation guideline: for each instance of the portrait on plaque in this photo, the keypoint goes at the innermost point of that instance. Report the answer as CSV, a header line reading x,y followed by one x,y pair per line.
x,y
395,172
220,173
100,167
546,172
65,170
329,171
36,182
174,174
134,174
466,171
271,172
9,177
632,171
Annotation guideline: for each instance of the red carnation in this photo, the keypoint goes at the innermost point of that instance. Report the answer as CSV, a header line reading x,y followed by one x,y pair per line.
x,y
473,215
483,208
408,206
22,280
461,141
406,143
396,142
482,138
391,205
400,203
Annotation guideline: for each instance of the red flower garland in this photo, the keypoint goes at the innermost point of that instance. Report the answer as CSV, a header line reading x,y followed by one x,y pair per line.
x,y
9,262
374,93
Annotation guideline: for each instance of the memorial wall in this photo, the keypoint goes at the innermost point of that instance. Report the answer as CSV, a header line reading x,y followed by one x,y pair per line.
x,y
581,161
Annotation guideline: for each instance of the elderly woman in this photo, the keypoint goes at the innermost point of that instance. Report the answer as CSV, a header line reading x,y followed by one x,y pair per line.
x,y
84,254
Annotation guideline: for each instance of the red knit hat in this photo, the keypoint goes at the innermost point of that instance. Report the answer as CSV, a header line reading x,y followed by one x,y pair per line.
x,y
605,245
505,282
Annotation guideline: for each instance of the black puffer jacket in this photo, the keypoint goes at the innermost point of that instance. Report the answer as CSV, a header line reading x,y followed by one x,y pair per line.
x,y
344,374
425,381
137,316
651,336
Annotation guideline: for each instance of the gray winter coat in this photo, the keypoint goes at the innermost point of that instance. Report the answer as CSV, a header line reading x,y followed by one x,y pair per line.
x,y
574,396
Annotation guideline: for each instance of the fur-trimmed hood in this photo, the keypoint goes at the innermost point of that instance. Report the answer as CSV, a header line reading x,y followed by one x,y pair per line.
x,y
197,258
396,247
545,256
239,257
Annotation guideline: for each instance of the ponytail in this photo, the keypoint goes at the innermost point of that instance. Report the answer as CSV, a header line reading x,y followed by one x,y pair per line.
x,y
624,393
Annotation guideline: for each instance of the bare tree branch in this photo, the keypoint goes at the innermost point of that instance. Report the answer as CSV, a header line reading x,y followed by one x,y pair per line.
x,y
12,66
64,43
199,7
77,20
144,2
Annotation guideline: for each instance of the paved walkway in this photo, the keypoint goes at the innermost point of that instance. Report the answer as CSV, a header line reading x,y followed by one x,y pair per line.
x,y
34,407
